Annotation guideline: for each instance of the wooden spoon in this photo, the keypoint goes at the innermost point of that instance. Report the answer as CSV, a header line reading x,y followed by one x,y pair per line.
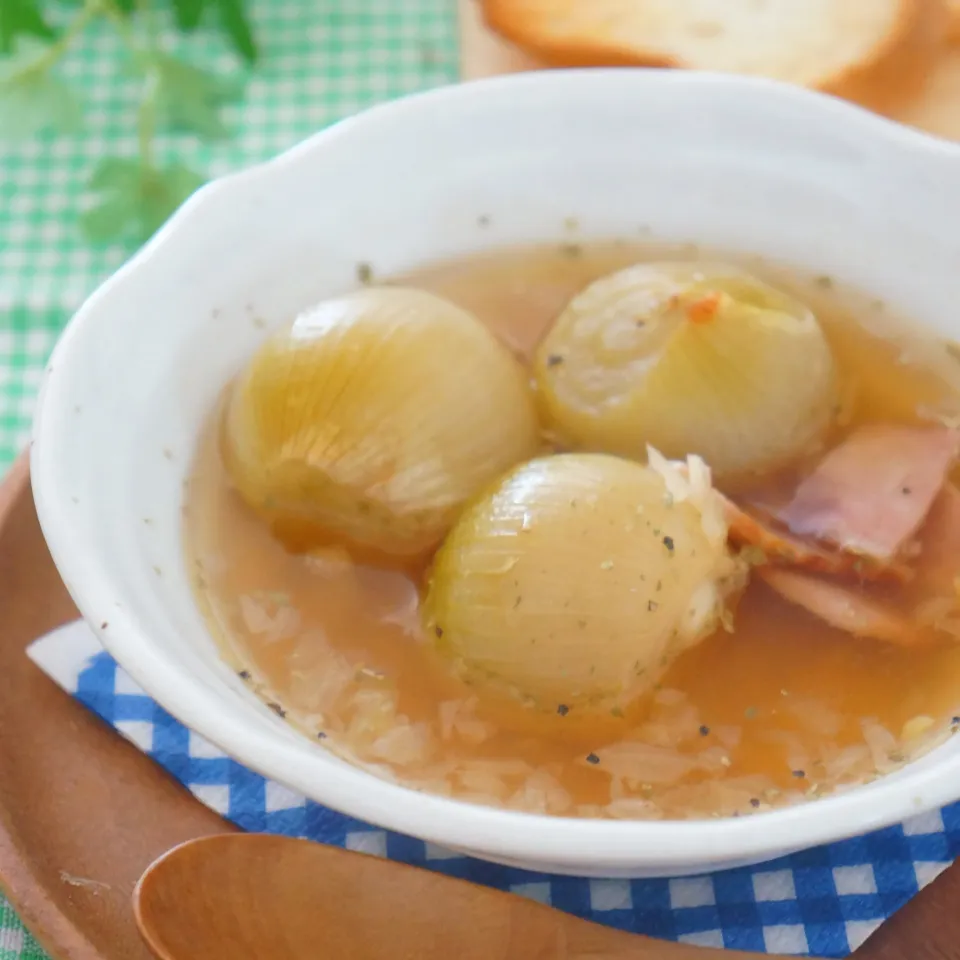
x,y
264,897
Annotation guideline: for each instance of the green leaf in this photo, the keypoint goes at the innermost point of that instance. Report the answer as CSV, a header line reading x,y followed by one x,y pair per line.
x,y
188,13
164,192
109,220
21,18
233,20
133,201
116,174
190,98
32,99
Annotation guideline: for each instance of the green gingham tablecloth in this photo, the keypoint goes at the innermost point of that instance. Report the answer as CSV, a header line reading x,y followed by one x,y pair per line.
x,y
322,59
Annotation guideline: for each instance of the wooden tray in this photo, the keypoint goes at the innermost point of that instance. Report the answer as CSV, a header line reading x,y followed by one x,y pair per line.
x,y
82,812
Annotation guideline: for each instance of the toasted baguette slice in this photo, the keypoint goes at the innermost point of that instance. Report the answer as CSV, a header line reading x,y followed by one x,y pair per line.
x,y
953,6
866,50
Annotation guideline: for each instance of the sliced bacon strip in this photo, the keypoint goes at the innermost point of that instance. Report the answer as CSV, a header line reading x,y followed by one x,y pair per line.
x,y
870,494
780,547
841,606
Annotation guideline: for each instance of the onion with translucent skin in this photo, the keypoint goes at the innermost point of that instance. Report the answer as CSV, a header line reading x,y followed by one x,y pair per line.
x,y
373,419
690,358
578,579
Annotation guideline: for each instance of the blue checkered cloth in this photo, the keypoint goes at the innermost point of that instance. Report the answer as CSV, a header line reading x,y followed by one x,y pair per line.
x,y
823,902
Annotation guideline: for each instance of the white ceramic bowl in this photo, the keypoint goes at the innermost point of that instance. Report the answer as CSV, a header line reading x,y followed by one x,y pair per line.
x,y
724,161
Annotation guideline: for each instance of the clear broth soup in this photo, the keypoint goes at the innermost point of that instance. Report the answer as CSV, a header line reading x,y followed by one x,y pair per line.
x,y
782,710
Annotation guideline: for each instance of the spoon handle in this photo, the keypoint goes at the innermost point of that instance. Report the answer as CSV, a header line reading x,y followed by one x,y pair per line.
x,y
265,897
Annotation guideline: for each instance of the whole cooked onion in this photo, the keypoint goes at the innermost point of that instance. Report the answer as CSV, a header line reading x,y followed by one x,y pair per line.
x,y
373,418
690,358
579,577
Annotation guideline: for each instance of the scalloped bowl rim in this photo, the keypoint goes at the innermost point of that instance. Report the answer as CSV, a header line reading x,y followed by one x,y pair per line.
x,y
495,832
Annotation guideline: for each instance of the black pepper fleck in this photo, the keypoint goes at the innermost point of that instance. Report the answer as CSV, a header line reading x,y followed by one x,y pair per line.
x,y
244,674
438,630
277,709
321,735
563,709
104,625
906,491
754,802
704,730
554,360
593,758
668,542
799,774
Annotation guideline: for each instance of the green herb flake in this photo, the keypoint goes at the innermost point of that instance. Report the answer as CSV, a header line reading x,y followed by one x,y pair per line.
x,y
364,273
